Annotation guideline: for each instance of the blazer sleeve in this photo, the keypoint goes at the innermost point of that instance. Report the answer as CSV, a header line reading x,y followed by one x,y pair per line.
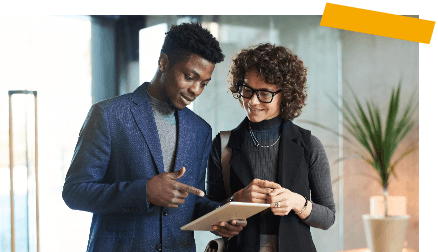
x,y
85,186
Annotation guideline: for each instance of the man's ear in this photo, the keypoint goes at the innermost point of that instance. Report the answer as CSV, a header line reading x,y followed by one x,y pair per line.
x,y
163,62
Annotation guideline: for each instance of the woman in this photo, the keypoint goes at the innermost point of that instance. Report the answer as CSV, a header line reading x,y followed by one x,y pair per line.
x,y
273,160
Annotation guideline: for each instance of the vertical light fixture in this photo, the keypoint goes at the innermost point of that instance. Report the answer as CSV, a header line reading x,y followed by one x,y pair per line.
x,y
24,134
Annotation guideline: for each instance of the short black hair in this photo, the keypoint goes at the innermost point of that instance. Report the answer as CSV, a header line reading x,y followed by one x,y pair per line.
x,y
187,38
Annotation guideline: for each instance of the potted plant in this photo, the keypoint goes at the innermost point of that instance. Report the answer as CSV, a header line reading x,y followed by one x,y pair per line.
x,y
376,146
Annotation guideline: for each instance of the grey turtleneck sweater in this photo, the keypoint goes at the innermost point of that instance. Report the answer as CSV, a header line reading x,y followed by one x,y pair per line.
x,y
264,165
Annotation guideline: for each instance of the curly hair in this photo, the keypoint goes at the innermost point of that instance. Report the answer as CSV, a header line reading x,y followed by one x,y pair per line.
x,y
276,65
184,39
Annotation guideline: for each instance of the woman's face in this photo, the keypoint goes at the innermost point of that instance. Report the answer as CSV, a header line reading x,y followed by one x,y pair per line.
x,y
256,110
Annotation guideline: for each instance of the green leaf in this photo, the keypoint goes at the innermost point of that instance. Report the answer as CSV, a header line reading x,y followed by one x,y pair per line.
x,y
364,124
406,153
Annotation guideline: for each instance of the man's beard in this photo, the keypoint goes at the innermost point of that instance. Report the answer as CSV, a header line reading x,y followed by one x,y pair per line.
x,y
169,101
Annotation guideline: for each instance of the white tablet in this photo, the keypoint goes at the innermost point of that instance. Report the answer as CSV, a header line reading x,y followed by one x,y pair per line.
x,y
229,211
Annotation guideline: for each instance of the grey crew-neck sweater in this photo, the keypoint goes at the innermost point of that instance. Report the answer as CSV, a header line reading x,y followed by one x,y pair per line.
x,y
167,131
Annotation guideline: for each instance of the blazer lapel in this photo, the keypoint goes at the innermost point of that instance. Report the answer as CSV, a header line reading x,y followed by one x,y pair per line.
x,y
184,138
144,117
239,162
188,141
290,156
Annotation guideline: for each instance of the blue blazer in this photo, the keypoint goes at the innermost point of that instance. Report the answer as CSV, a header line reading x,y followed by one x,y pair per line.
x,y
118,150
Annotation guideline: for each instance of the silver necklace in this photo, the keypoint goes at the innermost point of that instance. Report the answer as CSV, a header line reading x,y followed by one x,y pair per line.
x,y
256,143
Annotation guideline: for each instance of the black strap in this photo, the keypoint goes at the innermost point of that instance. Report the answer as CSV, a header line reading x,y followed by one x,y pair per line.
x,y
225,160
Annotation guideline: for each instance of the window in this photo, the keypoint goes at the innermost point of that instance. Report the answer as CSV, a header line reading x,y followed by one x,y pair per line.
x,y
50,55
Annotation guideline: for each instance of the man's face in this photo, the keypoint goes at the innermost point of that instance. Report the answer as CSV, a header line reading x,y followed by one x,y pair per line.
x,y
186,80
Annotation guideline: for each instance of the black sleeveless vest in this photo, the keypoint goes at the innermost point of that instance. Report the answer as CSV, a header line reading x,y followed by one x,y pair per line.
x,y
293,170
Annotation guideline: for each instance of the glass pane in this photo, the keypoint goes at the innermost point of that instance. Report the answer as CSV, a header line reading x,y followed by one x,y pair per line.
x,y
49,54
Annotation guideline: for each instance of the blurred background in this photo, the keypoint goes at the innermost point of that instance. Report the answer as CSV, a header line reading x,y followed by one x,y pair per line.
x,y
75,61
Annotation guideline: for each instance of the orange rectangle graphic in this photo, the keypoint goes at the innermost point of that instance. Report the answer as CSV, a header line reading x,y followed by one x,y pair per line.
x,y
377,23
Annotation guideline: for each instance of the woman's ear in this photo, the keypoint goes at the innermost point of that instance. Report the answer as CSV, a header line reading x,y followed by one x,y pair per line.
x,y
163,62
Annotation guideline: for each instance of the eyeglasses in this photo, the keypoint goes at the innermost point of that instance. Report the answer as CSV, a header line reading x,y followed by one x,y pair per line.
x,y
264,96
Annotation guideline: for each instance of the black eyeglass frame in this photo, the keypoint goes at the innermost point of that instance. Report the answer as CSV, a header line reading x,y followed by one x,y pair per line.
x,y
257,93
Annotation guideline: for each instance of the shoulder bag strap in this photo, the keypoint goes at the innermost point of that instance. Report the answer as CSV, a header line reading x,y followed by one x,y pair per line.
x,y
225,160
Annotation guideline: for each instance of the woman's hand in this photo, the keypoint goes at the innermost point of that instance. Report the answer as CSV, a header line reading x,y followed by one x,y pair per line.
x,y
256,192
283,201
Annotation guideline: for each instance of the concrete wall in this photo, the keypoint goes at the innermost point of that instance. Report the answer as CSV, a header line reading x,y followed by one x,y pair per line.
x,y
373,65
103,60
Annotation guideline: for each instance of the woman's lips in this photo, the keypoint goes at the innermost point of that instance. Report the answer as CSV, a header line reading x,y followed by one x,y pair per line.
x,y
254,109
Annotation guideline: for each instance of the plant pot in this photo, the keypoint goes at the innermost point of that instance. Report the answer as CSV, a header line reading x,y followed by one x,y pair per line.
x,y
385,234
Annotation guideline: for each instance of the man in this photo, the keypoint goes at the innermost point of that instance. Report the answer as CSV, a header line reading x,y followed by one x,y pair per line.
x,y
129,146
